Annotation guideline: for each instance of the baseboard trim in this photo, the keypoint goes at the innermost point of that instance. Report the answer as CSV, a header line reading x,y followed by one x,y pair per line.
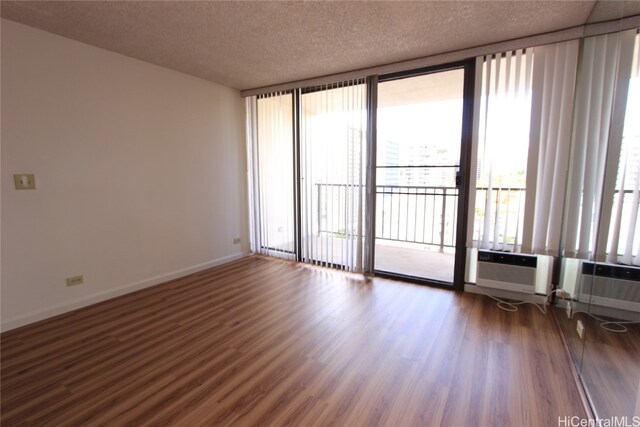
x,y
36,316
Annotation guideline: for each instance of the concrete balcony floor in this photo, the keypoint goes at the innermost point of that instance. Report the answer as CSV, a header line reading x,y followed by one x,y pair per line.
x,y
417,260
404,258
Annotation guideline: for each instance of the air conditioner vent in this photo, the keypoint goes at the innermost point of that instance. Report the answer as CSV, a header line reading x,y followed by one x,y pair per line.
x,y
511,272
614,286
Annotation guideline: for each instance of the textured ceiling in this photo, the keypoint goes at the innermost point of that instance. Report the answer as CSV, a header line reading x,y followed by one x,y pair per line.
x,y
246,44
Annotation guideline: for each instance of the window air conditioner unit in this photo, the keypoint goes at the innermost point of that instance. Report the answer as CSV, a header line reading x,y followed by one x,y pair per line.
x,y
615,286
506,271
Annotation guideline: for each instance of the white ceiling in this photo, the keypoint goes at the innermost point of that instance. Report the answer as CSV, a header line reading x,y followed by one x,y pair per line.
x,y
246,44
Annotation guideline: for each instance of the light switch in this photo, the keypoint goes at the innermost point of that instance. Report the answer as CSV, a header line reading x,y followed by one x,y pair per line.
x,y
24,181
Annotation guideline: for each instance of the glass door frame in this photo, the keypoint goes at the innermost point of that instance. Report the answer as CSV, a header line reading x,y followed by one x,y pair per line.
x,y
463,181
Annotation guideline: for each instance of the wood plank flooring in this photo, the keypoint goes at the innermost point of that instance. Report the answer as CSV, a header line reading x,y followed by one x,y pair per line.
x,y
269,342
609,363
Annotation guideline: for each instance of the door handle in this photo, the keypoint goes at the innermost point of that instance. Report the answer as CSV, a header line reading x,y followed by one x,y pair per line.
x,y
459,178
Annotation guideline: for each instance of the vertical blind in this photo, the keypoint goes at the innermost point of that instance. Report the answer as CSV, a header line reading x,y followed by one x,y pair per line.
x,y
523,146
624,230
554,76
333,155
271,186
320,176
603,79
502,149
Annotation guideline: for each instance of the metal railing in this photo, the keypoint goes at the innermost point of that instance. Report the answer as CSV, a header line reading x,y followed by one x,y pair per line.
x,y
416,214
424,214
505,217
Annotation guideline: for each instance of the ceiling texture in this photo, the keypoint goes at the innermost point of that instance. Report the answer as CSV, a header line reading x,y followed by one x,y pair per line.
x,y
246,44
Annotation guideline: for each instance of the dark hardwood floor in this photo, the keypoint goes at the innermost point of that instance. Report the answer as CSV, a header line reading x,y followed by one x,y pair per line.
x,y
268,342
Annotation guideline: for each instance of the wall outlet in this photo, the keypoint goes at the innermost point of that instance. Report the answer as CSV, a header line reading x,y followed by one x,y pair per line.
x,y
580,329
236,241
75,280
24,181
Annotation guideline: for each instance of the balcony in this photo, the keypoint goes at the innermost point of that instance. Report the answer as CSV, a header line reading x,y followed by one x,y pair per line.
x,y
415,260
415,230
415,227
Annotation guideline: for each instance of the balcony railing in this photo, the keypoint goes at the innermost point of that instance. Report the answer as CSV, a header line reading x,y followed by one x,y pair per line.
x,y
416,214
428,214
505,217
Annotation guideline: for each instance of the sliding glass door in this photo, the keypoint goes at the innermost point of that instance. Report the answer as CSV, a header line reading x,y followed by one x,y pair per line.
x,y
314,195
418,174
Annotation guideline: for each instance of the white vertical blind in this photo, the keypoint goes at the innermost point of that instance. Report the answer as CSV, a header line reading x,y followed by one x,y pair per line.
x,y
503,137
524,141
333,156
270,159
624,230
251,125
554,76
588,193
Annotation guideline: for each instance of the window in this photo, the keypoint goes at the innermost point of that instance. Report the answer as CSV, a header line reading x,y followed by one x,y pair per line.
x,y
271,157
624,234
503,144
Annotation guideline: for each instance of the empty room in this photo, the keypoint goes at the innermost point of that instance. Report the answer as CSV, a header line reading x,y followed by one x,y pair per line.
x,y
313,213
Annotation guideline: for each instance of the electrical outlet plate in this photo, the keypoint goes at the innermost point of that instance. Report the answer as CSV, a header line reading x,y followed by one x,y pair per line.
x,y
236,241
24,181
75,280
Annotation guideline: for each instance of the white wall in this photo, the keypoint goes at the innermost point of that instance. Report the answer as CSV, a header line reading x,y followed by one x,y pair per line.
x,y
140,174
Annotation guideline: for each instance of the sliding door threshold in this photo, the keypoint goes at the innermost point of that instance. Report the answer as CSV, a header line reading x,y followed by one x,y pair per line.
x,y
414,279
